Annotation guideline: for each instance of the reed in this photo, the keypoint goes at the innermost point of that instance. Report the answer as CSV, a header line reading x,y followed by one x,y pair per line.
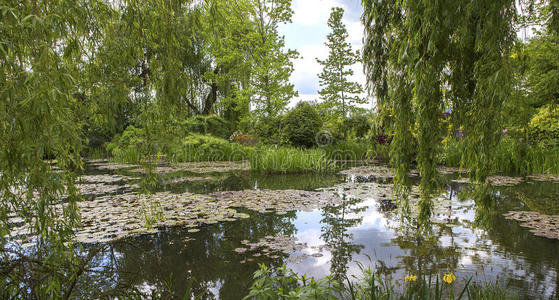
x,y
347,150
290,160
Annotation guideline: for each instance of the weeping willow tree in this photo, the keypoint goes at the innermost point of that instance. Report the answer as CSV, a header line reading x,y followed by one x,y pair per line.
x,y
425,59
43,52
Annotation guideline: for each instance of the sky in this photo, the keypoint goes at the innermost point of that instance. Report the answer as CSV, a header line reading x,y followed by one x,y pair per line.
x,y
307,34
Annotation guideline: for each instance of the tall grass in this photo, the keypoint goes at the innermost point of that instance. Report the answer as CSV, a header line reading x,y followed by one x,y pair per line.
x,y
289,160
347,150
129,155
96,153
512,156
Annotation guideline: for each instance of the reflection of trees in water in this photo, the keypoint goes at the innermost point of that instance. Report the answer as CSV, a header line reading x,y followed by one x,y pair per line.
x,y
536,256
490,239
167,259
427,254
337,220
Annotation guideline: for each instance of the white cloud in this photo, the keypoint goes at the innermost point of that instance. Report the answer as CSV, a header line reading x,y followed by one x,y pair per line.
x,y
312,12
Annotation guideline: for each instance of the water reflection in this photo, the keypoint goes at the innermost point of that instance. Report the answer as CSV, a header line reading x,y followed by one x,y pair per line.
x,y
337,220
472,239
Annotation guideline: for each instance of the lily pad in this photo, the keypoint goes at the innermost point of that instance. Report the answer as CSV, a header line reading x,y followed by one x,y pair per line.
x,y
282,201
496,180
372,173
539,224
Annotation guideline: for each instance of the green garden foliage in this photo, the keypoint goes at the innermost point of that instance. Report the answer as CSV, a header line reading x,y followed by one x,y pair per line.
x,y
543,128
126,146
513,155
269,130
213,125
301,125
348,150
196,147
189,147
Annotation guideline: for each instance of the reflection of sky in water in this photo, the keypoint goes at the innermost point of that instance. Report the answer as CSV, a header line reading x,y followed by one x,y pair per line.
x,y
502,251
477,255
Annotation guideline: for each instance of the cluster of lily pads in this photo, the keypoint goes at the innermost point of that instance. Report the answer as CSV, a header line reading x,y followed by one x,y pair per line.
x,y
539,224
381,173
198,167
278,201
496,180
275,246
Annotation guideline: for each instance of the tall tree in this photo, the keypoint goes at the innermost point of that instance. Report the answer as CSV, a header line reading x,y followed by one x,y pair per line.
x,y
272,63
338,91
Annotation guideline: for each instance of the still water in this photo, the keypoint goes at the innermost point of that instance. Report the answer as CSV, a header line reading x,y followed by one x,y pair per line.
x,y
470,240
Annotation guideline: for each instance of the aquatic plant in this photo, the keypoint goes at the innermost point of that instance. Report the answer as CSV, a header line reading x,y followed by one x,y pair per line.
x,y
511,155
283,283
289,160
347,150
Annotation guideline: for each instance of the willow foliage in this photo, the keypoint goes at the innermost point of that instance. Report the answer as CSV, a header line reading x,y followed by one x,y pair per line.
x,y
43,50
425,58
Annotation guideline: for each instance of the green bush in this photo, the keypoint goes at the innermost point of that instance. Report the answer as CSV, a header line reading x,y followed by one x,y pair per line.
x,y
128,146
301,125
214,125
358,125
289,160
268,129
543,128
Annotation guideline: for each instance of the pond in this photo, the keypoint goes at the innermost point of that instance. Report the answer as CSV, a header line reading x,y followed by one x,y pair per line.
x,y
339,237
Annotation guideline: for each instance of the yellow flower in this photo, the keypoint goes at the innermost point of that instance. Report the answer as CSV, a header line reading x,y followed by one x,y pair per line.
x,y
449,278
410,278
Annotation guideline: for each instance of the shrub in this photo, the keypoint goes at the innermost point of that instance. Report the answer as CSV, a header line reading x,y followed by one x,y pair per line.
x,y
301,125
268,129
543,129
358,125
289,160
193,147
